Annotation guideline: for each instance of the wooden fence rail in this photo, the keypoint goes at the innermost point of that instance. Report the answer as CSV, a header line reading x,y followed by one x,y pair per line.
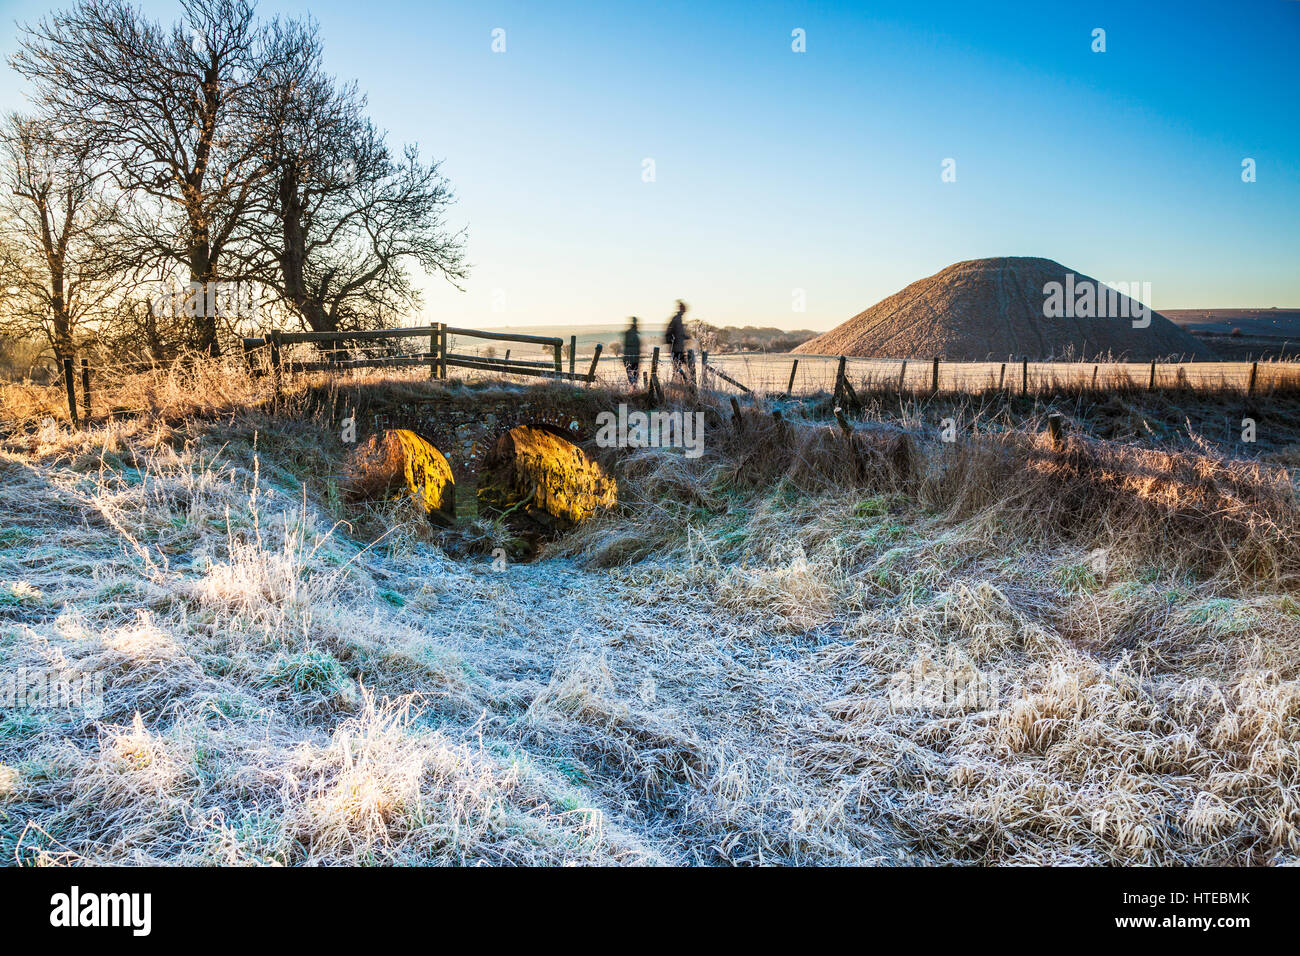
x,y
439,356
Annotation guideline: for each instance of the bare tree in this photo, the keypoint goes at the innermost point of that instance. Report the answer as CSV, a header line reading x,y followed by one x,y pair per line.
x,y
56,220
135,327
345,218
705,334
169,109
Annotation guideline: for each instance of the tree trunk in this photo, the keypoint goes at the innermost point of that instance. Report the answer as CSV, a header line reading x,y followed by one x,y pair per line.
x,y
63,347
293,260
202,263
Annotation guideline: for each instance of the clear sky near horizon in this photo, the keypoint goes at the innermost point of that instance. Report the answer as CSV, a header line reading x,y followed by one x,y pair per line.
x,y
820,171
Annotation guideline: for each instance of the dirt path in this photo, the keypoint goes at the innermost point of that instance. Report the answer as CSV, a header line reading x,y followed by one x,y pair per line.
x,y
642,689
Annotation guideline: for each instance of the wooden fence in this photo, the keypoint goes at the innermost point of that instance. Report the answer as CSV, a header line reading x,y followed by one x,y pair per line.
x,y
748,373
337,349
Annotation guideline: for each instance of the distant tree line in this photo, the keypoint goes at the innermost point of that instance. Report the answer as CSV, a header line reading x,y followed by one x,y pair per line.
x,y
721,339
173,184
747,339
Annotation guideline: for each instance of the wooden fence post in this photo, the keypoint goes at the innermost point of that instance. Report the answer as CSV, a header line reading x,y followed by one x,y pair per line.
x,y
789,388
840,379
902,375
1055,430
1094,377
1002,376
1152,383
85,388
847,429
1024,376
655,388
934,377
850,393
1250,385
558,349
274,339
573,354
69,385
704,369
443,349
591,372
433,352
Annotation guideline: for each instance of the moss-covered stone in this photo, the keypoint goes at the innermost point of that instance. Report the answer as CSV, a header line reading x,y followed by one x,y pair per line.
x,y
399,460
534,473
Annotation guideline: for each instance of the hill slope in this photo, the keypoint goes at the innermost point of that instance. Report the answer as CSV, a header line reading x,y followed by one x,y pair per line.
x,y
993,308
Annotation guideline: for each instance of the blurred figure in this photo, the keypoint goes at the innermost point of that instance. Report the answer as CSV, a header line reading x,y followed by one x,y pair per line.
x,y
676,338
632,353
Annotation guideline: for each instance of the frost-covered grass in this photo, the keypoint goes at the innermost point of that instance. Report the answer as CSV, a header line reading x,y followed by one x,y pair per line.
x,y
759,658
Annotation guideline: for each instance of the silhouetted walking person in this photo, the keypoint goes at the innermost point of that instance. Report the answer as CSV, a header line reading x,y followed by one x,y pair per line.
x,y
676,338
632,353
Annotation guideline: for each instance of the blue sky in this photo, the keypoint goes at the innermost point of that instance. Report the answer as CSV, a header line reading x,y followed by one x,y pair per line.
x,y
820,171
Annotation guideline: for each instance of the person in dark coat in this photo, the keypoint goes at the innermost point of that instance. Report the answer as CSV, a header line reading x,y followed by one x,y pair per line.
x,y
676,337
632,353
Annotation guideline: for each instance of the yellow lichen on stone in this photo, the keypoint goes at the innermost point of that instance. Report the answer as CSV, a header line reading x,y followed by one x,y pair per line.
x,y
546,476
428,476
400,462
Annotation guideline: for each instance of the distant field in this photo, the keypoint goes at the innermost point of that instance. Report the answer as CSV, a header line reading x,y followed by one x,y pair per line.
x,y
1249,321
816,373
652,332
1243,335
770,372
